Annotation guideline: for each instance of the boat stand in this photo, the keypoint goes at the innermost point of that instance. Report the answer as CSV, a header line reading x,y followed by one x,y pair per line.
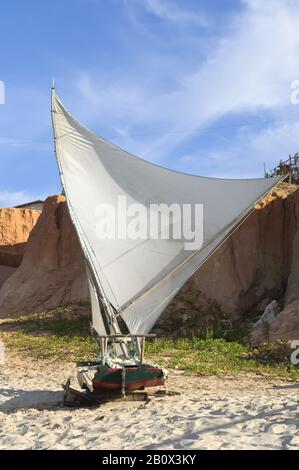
x,y
75,398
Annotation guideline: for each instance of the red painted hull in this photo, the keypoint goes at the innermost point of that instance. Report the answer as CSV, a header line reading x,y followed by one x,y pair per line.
x,y
135,379
140,385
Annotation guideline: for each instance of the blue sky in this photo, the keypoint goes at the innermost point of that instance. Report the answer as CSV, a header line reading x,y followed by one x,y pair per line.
x,y
201,86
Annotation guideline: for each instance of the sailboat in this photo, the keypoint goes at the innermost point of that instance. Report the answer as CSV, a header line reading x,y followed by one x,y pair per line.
x,y
133,280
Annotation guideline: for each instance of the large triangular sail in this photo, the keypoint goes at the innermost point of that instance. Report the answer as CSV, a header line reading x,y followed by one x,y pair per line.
x,y
138,278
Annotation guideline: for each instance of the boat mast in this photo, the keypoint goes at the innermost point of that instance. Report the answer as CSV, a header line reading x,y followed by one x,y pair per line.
x,y
108,310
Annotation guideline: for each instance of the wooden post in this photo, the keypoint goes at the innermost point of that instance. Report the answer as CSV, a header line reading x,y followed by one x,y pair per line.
x,y
103,349
142,350
123,383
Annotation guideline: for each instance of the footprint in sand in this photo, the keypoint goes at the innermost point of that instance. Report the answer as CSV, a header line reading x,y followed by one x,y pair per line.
x,y
282,428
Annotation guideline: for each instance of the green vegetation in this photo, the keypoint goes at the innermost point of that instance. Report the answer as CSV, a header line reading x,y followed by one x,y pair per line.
x,y
64,335
217,356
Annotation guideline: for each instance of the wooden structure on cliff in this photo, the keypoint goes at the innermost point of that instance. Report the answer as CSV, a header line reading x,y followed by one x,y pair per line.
x,y
288,167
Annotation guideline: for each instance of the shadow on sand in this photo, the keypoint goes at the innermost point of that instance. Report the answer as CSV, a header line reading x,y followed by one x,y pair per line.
x,y
17,399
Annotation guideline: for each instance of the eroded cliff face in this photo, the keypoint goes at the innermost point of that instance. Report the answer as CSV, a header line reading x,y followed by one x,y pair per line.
x,y
15,228
16,225
257,264
52,272
286,324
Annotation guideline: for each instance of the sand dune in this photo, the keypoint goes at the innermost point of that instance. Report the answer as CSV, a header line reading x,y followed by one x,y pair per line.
x,y
213,413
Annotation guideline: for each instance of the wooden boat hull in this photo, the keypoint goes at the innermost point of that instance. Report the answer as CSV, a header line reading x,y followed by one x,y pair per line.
x,y
136,378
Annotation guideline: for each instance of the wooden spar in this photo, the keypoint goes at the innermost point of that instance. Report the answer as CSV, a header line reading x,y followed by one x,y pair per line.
x,y
103,350
142,350
123,382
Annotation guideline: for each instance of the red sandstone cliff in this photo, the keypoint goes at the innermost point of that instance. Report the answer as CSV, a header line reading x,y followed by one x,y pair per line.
x,y
15,228
52,271
16,225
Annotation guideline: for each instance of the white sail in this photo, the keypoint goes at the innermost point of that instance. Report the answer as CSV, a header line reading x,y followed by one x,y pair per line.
x,y
139,278
96,314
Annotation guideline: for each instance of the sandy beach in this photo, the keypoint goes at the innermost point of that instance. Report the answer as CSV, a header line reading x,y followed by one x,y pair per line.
x,y
249,412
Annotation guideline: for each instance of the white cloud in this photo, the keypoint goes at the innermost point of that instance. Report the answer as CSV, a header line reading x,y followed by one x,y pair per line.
x,y
276,143
171,11
246,154
250,70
